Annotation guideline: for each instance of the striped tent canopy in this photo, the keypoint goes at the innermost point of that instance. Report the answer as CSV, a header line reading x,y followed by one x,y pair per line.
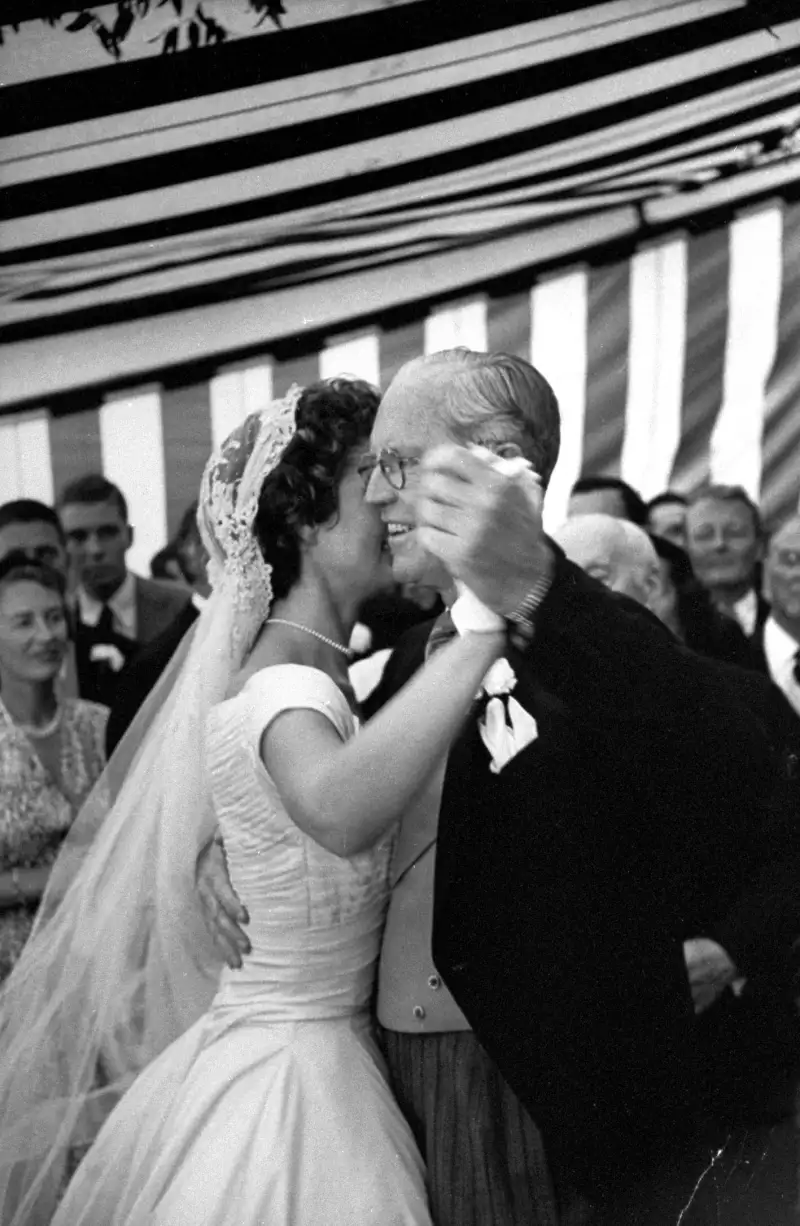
x,y
610,189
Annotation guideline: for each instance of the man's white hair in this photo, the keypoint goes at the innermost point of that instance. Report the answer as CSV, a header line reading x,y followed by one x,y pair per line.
x,y
495,398
617,541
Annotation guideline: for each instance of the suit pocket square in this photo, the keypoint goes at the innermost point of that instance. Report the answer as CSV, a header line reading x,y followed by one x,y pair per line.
x,y
506,728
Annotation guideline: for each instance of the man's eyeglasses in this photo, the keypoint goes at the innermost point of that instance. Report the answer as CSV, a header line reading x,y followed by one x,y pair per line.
x,y
392,465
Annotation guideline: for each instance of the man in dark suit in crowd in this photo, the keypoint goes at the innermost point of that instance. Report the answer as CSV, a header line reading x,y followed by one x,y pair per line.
x,y
94,515
116,610
725,542
559,1002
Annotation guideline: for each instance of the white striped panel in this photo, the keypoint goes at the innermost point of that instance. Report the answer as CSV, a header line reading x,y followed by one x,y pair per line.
x,y
754,292
48,54
616,139
456,326
196,121
354,356
10,477
33,369
256,387
132,442
559,314
656,347
235,393
727,191
26,470
427,233
34,460
383,152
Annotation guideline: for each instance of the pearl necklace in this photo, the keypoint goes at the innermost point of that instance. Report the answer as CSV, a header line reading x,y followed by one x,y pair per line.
x,y
282,621
40,731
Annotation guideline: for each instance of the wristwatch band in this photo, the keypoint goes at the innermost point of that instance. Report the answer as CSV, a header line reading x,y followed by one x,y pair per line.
x,y
521,626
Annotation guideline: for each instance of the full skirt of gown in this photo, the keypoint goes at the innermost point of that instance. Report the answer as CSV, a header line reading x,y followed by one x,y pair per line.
x,y
255,1125
274,1108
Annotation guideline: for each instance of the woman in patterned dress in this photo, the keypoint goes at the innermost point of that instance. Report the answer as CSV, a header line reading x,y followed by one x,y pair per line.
x,y
51,750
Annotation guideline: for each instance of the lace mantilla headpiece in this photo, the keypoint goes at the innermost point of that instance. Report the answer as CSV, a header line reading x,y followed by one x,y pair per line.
x,y
228,504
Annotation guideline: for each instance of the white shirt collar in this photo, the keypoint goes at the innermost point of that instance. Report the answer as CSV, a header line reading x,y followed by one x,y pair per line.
x,y
780,650
746,612
122,604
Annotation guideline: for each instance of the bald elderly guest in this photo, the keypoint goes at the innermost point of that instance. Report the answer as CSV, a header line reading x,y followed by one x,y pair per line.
x,y
614,551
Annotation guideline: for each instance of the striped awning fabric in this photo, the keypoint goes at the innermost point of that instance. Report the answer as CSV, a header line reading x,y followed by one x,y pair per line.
x,y
607,188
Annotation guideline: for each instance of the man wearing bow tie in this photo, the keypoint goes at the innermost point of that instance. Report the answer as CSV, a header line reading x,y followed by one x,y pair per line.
x,y
538,1021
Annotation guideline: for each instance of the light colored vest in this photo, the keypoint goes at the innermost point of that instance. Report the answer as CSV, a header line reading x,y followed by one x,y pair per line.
x,y
411,996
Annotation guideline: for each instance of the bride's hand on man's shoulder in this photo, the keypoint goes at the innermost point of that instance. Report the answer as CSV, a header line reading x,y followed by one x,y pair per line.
x,y
222,911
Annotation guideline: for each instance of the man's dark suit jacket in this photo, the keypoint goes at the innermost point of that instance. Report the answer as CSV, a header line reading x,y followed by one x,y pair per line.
x,y
566,885
97,680
157,606
141,674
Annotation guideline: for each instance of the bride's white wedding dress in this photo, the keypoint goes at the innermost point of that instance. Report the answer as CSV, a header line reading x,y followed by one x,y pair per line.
x,y
274,1108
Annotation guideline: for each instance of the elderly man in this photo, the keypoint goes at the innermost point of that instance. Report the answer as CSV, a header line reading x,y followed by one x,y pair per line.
x,y
553,874
615,552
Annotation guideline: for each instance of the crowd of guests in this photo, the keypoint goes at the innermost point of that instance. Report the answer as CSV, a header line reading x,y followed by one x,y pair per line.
x,y
723,585
83,639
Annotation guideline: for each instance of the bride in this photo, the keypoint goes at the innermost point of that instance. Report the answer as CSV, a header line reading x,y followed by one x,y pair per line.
x,y
254,1096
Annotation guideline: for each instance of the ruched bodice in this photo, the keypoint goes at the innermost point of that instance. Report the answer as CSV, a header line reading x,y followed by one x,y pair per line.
x,y
315,919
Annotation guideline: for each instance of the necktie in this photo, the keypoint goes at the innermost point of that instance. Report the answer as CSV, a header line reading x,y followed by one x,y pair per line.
x,y
104,630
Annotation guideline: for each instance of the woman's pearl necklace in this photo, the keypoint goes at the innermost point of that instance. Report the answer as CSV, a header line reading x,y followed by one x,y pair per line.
x,y
282,621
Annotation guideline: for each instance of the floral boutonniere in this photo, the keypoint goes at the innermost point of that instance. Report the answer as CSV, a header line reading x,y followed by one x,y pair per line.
x,y
107,653
505,727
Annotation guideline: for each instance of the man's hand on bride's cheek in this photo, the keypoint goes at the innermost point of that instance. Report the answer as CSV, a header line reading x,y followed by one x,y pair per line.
x,y
222,911
485,524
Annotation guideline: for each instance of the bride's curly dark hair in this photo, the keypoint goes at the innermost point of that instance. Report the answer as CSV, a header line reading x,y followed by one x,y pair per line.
x,y
334,416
